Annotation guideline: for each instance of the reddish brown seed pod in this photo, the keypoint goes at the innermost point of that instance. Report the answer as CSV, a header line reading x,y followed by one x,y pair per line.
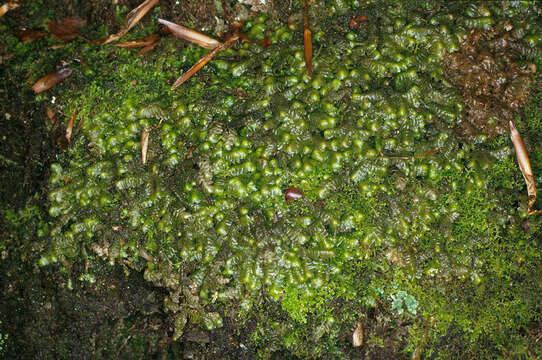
x,y
292,194
48,81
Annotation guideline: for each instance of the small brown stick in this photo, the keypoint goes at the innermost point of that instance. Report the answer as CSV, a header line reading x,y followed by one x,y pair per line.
x,y
307,40
525,167
204,60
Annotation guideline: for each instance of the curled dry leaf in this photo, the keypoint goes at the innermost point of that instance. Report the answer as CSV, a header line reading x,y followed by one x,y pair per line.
x,y
146,41
204,60
357,336
27,35
66,29
10,5
69,127
48,81
132,19
525,167
190,35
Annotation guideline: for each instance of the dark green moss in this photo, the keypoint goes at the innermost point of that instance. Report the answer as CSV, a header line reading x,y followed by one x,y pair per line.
x,y
402,220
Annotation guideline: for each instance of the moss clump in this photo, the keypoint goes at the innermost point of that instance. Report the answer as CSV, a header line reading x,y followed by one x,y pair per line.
x,y
398,211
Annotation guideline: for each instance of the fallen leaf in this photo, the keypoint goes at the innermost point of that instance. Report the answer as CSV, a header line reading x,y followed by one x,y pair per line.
x,y
69,127
50,80
525,167
66,29
132,19
190,35
146,41
10,5
204,60
357,336
27,35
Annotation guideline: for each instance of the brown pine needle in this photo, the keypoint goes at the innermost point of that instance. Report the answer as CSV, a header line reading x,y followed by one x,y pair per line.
x,y
204,60
190,35
132,19
146,41
307,40
525,167
308,51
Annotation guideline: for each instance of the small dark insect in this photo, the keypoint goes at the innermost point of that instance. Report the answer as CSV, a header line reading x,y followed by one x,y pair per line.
x,y
292,194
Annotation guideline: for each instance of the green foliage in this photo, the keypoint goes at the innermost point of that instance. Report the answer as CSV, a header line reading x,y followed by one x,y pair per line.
x,y
3,339
399,216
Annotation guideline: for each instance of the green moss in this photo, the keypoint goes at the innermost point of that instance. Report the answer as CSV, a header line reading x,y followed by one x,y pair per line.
x,y
399,215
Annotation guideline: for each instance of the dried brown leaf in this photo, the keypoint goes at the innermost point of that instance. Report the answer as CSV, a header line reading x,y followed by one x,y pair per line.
x,y
190,35
132,19
204,60
10,5
146,41
50,80
69,127
66,29
27,35
357,336
525,166
50,115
